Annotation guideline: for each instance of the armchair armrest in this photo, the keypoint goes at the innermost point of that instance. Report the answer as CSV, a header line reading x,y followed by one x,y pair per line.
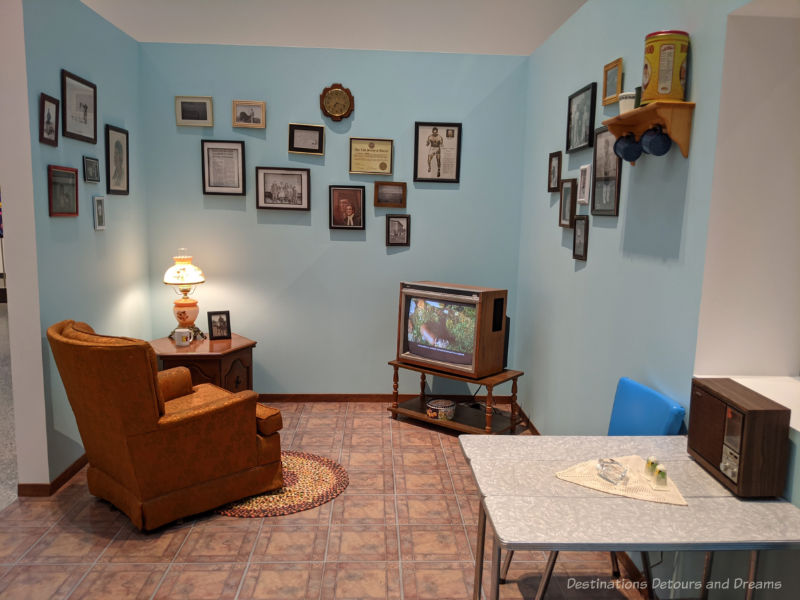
x,y
174,382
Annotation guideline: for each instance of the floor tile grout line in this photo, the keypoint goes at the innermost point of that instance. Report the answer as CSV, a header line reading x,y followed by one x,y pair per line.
x,y
173,560
250,558
400,572
94,563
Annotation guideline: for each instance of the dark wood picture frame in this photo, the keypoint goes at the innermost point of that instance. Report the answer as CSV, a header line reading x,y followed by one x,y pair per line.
x,y
580,237
306,139
612,82
217,179
219,330
48,129
448,155
273,189
390,194
606,172
117,161
91,169
566,212
398,236
62,191
78,108
554,172
580,118
339,197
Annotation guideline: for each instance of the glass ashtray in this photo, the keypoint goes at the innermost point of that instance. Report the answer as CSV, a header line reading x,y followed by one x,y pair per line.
x,y
612,471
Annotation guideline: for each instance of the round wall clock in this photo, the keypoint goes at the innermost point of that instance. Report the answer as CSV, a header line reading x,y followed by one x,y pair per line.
x,y
337,102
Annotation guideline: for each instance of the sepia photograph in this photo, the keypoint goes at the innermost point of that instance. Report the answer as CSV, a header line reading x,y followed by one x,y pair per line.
x,y
283,188
62,185
117,176
566,211
584,183
554,172
250,113
346,207
580,237
398,230
91,170
194,111
606,170
99,212
219,325
437,157
78,108
580,118
390,194
223,167
48,120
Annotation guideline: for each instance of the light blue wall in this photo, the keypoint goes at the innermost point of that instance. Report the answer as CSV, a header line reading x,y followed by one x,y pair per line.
x,y
95,276
322,304
632,308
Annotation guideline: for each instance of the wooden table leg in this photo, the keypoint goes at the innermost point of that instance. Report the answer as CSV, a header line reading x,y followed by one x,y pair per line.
x,y
422,388
494,593
751,575
476,589
489,409
514,407
395,379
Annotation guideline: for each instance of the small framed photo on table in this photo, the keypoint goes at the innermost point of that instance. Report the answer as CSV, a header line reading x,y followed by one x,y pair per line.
x,y
346,208
567,206
219,325
390,194
194,111
99,212
580,237
48,120
437,152
371,156
249,113
283,188
78,108
62,186
117,177
223,167
580,118
398,230
554,172
306,139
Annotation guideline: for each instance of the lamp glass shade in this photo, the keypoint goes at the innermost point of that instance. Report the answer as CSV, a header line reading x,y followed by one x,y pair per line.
x,y
183,272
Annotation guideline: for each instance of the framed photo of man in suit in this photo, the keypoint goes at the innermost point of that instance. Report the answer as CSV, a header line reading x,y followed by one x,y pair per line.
x,y
606,171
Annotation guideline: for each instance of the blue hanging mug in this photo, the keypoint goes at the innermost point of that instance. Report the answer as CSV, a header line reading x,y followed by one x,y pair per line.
x,y
627,148
654,141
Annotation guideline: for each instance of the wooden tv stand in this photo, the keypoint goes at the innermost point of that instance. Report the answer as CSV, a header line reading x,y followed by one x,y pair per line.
x,y
466,418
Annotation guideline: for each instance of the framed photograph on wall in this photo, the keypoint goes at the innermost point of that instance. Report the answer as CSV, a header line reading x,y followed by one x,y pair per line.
x,y
612,82
117,176
91,170
249,113
398,230
48,120
554,172
437,152
78,108
566,208
223,167
606,171
99,212
306,139
580,237
283,188
346,207
584,183
371,156
219,325
580,118
390,194
194,111
62,191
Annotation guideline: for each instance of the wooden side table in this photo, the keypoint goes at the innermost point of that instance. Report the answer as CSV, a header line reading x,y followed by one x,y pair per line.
x,y
226,363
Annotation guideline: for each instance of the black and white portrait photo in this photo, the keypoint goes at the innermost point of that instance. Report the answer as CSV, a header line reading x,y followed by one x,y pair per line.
x,y
397,230
99,206
584,183
554,172
580,118
283,188
219,325
566,211
580,237
117,177
48,120
605,175
437,155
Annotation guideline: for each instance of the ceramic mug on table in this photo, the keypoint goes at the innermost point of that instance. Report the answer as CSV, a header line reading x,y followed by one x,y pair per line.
x,y
183,337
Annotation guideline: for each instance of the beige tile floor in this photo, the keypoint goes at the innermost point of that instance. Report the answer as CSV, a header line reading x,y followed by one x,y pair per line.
x,y
405,528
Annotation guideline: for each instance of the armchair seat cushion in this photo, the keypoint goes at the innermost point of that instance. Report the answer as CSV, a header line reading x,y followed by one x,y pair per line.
x,y
268,419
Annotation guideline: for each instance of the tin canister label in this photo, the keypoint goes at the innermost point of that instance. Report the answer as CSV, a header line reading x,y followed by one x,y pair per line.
x,y
665,66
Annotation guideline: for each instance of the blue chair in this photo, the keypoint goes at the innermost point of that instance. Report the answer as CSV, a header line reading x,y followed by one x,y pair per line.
x,y
637,410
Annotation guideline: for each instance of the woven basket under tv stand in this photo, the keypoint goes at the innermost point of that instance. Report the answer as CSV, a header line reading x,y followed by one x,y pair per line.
x,y
466,418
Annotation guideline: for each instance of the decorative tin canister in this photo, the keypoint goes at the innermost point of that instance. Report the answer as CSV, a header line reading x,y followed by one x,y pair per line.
x,y
666,66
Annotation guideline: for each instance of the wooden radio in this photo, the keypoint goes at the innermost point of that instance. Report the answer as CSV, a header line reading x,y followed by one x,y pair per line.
x,y
739,436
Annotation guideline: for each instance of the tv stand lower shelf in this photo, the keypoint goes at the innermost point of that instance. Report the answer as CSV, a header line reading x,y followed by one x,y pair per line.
x,y
466,419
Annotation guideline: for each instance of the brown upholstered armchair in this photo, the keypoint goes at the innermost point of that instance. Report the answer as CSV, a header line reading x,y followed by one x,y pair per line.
x,y
158,448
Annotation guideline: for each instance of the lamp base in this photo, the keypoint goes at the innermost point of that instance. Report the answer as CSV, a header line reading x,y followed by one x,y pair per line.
x,y
186,311
198,335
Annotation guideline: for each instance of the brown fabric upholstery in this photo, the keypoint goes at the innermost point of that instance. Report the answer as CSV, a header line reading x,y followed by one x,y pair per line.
x,y
159,461
268,419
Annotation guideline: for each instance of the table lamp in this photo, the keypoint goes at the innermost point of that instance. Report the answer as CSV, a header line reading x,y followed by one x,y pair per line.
x,y
184,276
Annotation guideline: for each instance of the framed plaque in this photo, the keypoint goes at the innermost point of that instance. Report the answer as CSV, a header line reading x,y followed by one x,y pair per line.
x,y
371,156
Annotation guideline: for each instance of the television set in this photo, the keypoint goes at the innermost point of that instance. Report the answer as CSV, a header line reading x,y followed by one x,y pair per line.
x,y
453,328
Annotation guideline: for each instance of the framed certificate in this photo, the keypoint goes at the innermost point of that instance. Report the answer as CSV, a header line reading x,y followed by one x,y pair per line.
x,y
371,156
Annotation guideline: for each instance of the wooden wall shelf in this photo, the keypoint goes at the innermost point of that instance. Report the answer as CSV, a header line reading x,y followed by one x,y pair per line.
x,y
674,117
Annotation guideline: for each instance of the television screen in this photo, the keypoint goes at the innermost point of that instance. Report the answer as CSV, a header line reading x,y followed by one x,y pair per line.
x,y
442,330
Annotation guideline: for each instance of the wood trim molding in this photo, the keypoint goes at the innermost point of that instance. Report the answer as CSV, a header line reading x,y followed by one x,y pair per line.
x,y
48,489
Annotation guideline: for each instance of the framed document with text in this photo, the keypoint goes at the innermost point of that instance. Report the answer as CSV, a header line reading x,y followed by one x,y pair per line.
x,y
371,156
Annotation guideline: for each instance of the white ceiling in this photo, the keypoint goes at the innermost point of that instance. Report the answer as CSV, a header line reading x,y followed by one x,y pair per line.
x,y
515,27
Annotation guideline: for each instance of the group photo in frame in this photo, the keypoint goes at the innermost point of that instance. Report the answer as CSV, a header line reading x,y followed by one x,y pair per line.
x,y
48,120
346,207
371,156
194,111
78,108
612,82
117,163
568,203
62,191
99,212
554,172
91,170
306,139
580,118
219,325
223,167
437,152
283,188
398,230
606,170
249,113
580,237
390,194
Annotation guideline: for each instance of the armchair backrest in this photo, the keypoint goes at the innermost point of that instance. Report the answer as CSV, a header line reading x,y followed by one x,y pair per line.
x,y
111,384
639,410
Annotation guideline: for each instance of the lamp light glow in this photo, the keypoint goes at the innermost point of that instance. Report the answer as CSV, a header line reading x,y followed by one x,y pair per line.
x,y
184,276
